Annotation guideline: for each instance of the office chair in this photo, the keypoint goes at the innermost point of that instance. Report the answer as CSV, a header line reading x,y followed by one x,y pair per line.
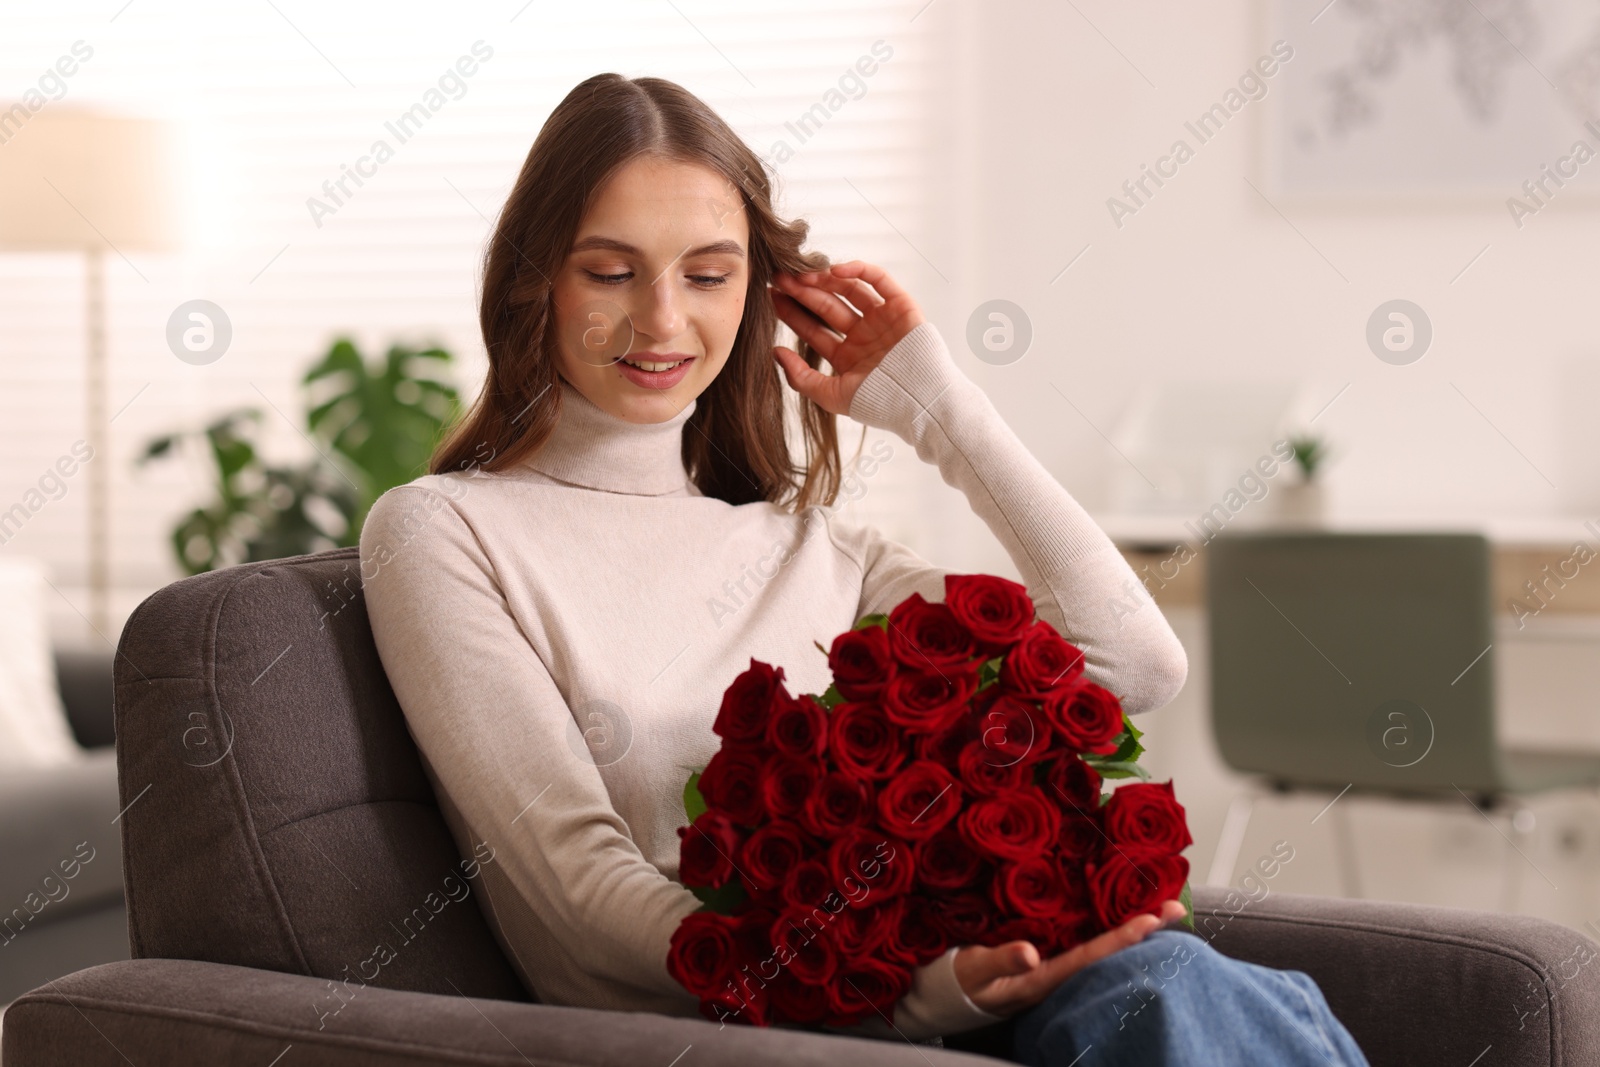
x,y
1364,663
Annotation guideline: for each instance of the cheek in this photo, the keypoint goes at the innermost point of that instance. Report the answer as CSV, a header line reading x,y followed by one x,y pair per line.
x,y
718,320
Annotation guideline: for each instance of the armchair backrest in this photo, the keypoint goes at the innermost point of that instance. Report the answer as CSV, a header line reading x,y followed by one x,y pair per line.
x,y
276,813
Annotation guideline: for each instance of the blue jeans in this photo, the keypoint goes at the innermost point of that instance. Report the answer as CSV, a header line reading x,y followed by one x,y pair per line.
x,y
1171,1000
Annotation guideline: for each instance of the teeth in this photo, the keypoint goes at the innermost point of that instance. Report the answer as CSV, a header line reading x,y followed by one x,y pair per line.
x,y
653,366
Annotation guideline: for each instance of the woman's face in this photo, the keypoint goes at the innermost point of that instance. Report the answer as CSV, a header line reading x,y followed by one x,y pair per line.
x,y
657,273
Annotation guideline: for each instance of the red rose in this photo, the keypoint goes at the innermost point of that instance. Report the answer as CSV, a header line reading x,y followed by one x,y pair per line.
x,y
1081,837
749,702
887,919
1123,885
864,987
861,663
985,772
789,783
799,728
706,850
838,801
1087,716
804,948
859,931
1014,730
1146,816
919,800
928,702
796,1000
963,916
1041,661
995,610
807,886
731,783
1011,826
871,858
946,862
1031,888
928,637
1040,932
701,954
863,741
749,1004
945,747
771,853
1075,783
919,938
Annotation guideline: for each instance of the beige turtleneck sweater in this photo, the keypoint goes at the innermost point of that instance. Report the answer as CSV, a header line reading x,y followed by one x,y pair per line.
x,y
559,635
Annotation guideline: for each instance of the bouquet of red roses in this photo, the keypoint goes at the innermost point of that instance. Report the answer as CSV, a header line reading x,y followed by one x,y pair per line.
x,y
944,790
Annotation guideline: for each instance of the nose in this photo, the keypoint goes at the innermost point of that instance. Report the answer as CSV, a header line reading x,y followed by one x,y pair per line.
x,y
659,313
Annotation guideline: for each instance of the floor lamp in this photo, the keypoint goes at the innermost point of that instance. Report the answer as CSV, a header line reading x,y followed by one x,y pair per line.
x,y
100,185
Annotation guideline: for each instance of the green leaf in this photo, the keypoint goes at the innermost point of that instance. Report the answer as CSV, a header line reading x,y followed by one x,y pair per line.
x,y
384,418
1128,748
830,697
1187,900
722,899
880,621
989,673
694,805
819,647
1109,768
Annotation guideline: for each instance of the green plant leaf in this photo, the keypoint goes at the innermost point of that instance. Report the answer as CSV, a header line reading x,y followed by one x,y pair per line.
x,y
385,418
880,621
830,696
1128,747
1109,768
694,805
989,672
1186,898
722,899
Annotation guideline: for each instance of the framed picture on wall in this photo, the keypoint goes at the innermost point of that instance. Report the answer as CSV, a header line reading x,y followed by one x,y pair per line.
x,y
1434,100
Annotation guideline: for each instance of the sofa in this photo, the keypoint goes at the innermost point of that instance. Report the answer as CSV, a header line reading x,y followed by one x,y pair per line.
x,y
280,836
61,906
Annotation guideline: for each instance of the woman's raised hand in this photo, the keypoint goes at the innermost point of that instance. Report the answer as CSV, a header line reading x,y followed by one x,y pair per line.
x,y
854,339
1008,978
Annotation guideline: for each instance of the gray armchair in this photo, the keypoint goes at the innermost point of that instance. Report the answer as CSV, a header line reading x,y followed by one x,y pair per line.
x,y
59,821
284,861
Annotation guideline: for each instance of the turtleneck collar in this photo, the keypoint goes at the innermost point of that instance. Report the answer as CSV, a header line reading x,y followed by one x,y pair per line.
x,y
593,448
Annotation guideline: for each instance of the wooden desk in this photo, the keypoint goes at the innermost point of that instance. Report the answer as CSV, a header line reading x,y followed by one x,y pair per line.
x,y
1521,550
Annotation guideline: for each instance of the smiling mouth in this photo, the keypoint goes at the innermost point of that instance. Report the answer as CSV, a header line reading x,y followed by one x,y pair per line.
x,y
655,367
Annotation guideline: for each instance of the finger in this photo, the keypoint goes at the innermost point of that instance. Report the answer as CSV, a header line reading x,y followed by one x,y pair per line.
x,y
1001,961
978,968
832,310
804,324
807,380
1059,968
861,295
873,275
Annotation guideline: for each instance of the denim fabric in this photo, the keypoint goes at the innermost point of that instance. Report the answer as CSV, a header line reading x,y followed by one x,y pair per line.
x,y
1171,1000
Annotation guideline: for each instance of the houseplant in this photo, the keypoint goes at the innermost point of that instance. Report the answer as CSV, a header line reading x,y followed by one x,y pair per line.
x,y
373,425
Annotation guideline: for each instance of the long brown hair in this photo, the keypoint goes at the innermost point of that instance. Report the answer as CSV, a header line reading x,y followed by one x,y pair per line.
x,y
735,447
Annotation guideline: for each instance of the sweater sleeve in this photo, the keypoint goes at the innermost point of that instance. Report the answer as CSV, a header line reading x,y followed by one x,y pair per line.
x,y
489,718
1077,578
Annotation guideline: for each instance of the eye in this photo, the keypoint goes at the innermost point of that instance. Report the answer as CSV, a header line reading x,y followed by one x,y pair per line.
x,y
710,281
609,279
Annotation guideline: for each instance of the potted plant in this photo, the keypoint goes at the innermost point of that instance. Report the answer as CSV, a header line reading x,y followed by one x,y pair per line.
x,y
1303,502
374,427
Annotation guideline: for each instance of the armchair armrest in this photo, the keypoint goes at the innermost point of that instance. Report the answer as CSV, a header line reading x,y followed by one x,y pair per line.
x,y
186,1012
1421,984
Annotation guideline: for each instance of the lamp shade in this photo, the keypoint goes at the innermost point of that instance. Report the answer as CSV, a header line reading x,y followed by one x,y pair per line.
x,y
77,179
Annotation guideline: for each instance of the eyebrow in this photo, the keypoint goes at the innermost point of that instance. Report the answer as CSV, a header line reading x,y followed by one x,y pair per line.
x,y
611,244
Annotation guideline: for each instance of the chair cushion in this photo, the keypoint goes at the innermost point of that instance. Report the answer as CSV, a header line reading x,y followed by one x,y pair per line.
x,y
277,811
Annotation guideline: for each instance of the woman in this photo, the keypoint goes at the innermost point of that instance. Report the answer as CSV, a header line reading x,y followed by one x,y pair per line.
x,y
617,528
